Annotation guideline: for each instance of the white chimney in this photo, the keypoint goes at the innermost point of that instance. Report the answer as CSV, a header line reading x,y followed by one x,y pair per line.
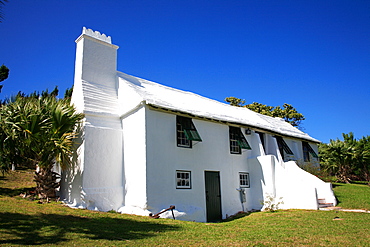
x,y
96,59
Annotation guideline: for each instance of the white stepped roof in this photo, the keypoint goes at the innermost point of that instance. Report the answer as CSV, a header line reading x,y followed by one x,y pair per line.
x,y
173,99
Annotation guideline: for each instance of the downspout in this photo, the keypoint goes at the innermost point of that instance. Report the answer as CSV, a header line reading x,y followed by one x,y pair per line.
x,y
137,107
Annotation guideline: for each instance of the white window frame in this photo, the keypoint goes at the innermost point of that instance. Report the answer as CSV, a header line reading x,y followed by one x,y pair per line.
x,y
244,180
183,179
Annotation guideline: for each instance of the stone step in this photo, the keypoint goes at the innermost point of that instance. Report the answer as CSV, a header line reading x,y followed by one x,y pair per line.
x,y
325,205
322,200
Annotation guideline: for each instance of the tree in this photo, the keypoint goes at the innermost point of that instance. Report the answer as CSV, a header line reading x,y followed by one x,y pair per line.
x,y
2,3
4,73
235,101
68,93
40,131
336,158
362,158
287,112
348,159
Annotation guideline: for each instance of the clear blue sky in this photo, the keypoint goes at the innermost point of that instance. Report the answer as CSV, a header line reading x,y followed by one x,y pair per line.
x,y
313,54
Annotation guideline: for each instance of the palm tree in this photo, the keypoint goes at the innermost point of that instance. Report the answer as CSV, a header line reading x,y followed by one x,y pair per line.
x,y
337,158
57,145
4,73
40,131
362,157
347,159
13,146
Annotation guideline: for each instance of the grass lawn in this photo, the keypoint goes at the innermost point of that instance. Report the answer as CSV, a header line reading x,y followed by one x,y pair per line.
x,y
25,222
355,196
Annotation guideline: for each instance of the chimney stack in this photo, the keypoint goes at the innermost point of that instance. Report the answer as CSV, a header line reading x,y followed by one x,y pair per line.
x,y
96,59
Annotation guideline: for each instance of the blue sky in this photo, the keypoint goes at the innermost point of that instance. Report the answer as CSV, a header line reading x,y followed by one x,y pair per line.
x,y
314,54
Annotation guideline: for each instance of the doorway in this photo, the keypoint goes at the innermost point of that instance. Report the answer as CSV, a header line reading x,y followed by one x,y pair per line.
x,y
213,196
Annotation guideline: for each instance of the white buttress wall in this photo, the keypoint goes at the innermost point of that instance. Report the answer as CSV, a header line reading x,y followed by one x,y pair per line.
x,y
135,167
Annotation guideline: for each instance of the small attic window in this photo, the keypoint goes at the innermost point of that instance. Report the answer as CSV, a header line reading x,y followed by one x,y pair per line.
x,y
237,141
307,150
186,132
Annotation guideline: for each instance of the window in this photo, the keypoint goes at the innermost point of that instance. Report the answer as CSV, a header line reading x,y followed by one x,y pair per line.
x,y
237,140
283,147
186,132
183,180
307,150
244,179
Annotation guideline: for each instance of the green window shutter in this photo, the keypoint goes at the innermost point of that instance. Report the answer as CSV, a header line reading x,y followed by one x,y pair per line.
x,y
190,131
192,135
311,151
282,143
242,142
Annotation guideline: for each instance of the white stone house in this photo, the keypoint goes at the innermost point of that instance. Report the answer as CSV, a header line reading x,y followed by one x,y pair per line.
x,y
146,146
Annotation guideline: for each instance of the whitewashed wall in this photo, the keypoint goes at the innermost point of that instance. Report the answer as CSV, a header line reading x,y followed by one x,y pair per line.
x,y
212,154
268,176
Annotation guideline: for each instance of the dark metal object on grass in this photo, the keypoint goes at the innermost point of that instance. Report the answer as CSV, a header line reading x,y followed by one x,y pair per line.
x,y
156,216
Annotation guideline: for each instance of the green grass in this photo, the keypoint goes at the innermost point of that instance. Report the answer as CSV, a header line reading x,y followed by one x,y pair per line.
x,y
25,222
353,196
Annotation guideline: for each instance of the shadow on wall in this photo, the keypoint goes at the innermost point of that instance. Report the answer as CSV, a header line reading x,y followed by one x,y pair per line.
x,y
71,187
25,229
71,178
257,180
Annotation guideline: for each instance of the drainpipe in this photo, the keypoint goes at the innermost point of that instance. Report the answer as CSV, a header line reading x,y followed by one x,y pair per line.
x,y
137,107
242,196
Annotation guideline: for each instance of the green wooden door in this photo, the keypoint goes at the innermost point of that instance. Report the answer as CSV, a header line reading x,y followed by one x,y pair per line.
x,y
213,196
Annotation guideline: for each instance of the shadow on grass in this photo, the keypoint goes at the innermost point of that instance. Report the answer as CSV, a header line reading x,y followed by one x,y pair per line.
x,y
53,228
14,192
237,216
336,185
361,182
3,178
